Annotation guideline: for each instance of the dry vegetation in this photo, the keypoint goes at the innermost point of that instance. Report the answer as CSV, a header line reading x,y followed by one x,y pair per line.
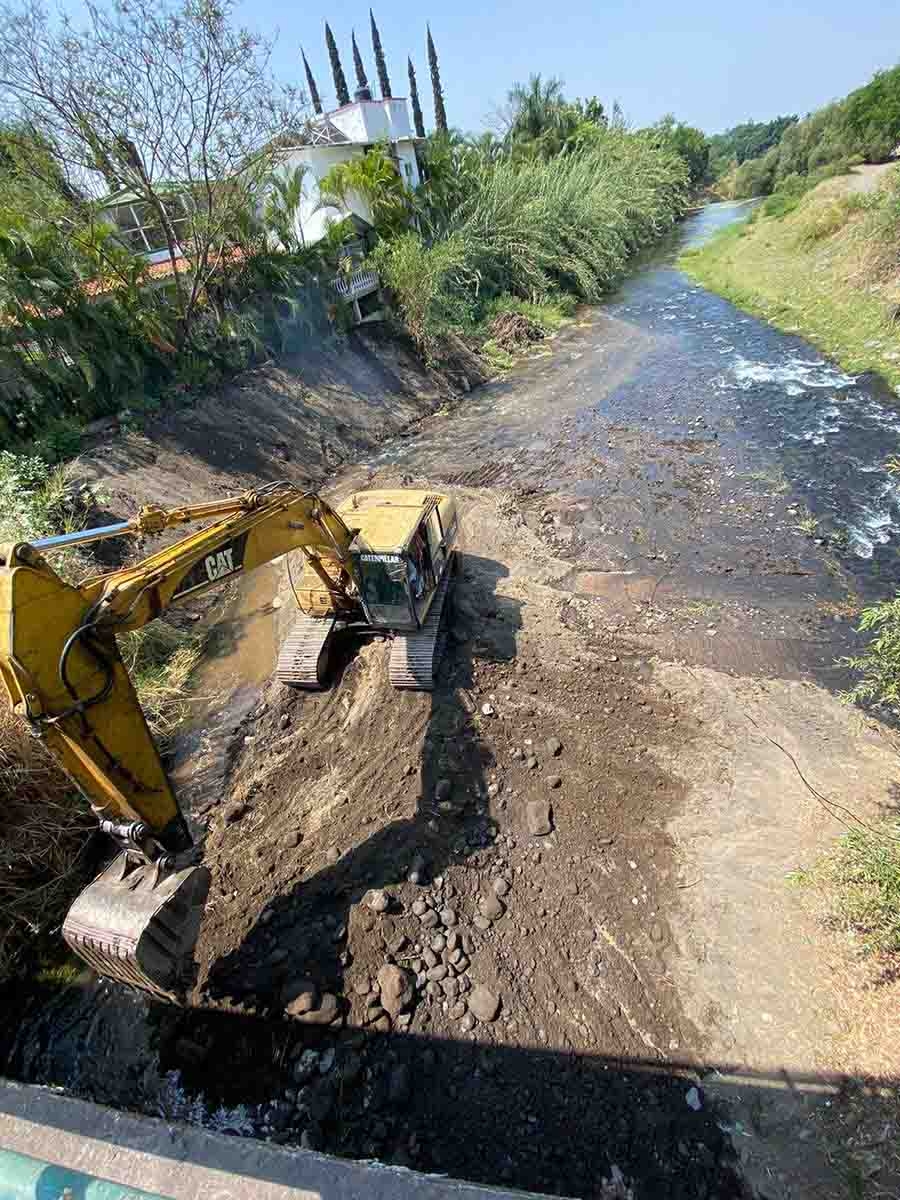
x,y
43,829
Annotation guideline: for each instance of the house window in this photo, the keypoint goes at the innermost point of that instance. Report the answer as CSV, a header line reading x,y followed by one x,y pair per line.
x,y
141,230
407,170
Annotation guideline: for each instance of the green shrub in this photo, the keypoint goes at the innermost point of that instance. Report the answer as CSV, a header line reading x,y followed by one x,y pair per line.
x,y
879,663
535,229
864,873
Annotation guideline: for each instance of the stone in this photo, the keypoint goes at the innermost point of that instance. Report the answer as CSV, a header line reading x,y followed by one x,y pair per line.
x,y
531,762
430,958
374,1013
396,987
481,923
438,943
378,900
448,917
328,1009
362,986
436,974
487,710
299,995
306,1066
333,855
692,1099
554,781
400,1084
291,839
190,1052
383,1024
419,907
467,1024
491,907
418,871
442,789
458,1011
538,817
553,747
326,1061
430,920
235,811
484,1004
501,886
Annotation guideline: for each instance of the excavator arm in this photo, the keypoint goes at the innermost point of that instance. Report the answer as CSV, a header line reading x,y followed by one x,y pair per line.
x,y
61,667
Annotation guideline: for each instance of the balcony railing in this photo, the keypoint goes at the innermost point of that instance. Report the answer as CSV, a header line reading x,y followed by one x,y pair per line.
x,y
359,283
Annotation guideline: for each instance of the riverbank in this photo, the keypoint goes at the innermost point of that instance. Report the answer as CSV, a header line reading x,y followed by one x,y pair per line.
x,y
609,789
811,272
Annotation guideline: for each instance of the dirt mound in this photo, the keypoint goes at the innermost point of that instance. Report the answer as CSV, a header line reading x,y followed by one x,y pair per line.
x,y
440,902
513,330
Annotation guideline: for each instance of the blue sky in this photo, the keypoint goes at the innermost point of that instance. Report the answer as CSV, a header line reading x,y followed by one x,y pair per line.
x,y
712,64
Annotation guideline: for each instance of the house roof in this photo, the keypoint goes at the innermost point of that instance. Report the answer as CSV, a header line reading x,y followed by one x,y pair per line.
x,y
157,271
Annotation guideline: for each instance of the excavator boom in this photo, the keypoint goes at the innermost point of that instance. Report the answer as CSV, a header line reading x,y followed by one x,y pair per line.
x,y
61,666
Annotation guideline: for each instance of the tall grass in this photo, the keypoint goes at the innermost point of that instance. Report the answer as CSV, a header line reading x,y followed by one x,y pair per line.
x,y
535,228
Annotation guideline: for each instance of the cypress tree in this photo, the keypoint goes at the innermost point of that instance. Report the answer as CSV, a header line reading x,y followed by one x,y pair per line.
x,y
361,81
311,84
380,65
337,71
414,98
440,116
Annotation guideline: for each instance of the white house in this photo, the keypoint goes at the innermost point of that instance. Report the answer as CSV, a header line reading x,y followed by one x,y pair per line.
x,y
339,136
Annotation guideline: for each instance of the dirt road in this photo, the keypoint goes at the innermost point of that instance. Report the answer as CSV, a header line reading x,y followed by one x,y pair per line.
x,y
537,928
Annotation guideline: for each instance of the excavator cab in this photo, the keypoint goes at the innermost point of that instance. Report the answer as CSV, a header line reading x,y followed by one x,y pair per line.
x,y
402,548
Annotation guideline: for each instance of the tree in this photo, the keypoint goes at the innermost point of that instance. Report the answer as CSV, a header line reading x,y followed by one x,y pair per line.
x,y
282,208
418,123
690,143
380,65
167,99
311,84
361,82
873,116
375,178
440,116
337,71
540,122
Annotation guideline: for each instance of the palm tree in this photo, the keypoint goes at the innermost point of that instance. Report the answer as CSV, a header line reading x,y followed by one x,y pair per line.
x,y
282,208
380,65
535,107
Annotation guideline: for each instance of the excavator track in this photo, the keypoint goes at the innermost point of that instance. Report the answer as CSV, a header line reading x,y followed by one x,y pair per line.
x,y
303,661
415,656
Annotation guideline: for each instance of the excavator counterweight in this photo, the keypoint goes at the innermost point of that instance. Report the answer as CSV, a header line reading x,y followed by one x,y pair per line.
x,y
382,563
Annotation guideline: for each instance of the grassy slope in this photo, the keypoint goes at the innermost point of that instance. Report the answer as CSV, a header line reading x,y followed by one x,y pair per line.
x,y
817,286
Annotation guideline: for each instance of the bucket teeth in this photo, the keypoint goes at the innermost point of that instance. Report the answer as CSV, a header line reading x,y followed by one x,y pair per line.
x,y
139,925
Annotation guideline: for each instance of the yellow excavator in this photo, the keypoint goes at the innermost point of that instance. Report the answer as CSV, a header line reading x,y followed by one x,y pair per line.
x,y
383,562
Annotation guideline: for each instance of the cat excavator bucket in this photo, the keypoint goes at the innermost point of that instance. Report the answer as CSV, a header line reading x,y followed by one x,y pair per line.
x,y
137,923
